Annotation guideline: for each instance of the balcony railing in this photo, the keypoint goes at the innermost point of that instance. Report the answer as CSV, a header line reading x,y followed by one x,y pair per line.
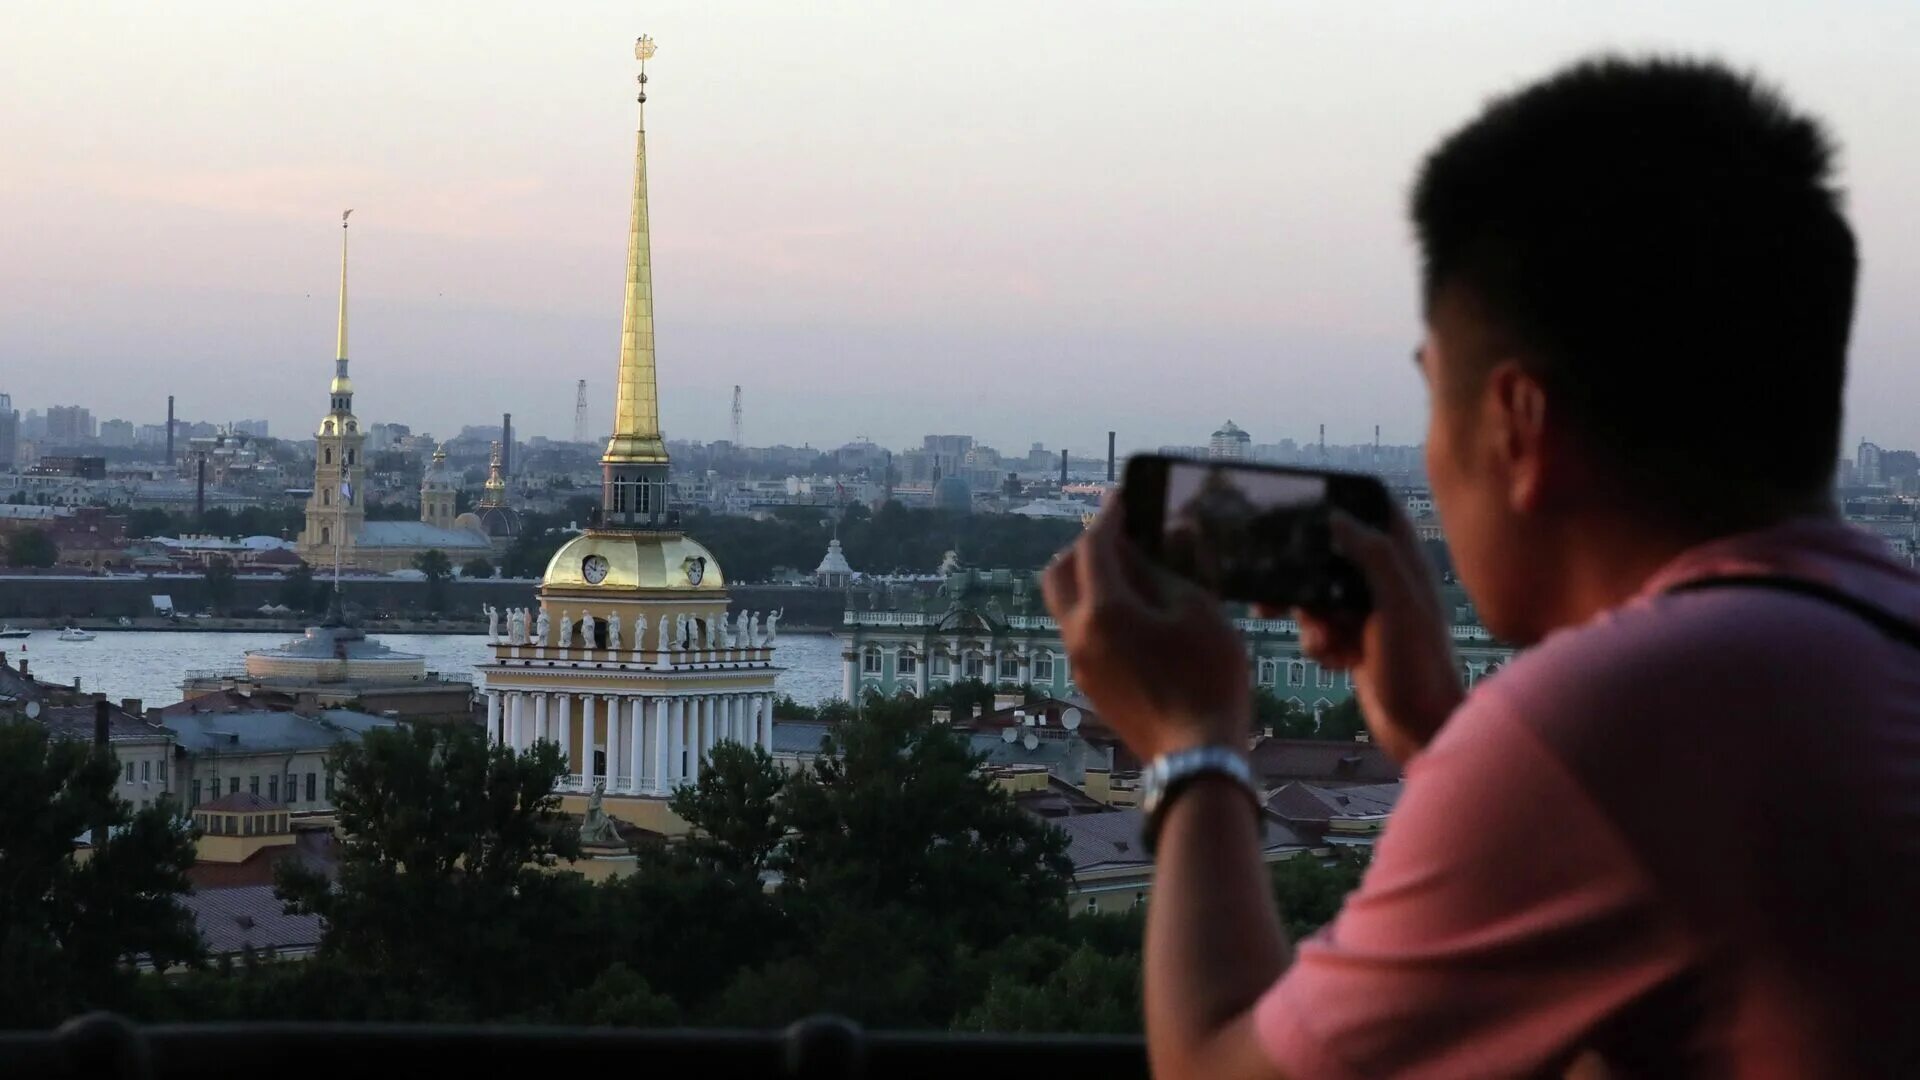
x,y
101,1045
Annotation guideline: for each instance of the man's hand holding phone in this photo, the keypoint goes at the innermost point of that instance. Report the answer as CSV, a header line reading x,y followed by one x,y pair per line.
x,y
1151,651
1401,651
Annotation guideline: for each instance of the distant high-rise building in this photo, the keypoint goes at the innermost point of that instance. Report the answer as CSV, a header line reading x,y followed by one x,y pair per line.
x,y
1866,464
69,424
946,452
255,428
1230,443
116,433
9,432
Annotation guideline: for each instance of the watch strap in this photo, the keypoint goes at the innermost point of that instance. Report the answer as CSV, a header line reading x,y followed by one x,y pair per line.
x,y
1169,774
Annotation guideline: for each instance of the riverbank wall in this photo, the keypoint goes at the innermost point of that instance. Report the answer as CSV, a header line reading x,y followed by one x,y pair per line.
x,y
397,604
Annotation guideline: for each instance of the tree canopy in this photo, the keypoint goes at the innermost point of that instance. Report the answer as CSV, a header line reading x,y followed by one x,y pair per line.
x,y
69,927
32,547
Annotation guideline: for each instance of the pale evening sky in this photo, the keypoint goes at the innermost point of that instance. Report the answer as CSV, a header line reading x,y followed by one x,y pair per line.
x,y
1024,221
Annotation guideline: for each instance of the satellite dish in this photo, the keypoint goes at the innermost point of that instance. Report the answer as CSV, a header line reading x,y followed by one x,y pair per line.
x,y
1009,734
1070,719
33,710
1031,741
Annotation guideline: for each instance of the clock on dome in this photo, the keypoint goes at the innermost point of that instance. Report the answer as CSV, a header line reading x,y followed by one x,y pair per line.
x,y
594,569
696,569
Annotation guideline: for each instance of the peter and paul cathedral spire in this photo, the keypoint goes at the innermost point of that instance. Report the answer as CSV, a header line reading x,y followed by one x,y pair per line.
x,y
342,387
634,491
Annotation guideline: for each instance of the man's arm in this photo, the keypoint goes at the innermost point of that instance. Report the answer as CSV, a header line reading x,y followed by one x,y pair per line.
x,y
1214,939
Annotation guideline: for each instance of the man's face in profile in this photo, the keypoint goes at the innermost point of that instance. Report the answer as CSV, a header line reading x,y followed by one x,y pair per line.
x,y
1469,480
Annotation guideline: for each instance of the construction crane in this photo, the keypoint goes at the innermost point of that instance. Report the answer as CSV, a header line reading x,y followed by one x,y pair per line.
x,y
736,416
580,412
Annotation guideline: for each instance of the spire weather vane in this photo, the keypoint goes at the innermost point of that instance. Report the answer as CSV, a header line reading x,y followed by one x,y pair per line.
x,y
643,50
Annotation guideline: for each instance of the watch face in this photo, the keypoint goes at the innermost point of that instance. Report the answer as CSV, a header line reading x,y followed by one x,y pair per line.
x,y
594,569
696,569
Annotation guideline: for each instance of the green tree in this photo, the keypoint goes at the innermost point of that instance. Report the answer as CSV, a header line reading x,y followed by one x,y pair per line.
x,y
734,808
438,568
149,521
444,895
219,578
477,567
896,813
69,927
32,547
296,590
1310,891
1082,991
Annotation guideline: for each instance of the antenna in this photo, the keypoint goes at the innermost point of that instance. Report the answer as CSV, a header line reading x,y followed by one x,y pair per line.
x,y
1070,719
580,411
736,417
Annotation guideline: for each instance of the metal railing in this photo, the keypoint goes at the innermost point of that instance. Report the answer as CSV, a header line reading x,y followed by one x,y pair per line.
x,y
103,1045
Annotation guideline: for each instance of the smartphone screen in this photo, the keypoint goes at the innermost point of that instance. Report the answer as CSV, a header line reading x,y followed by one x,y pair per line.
x,y
1250,532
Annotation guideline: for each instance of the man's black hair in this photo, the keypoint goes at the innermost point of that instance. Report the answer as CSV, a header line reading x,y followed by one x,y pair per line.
x,y
1662,241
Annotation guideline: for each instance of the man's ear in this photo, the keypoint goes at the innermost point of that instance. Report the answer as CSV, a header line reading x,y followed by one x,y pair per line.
x,y
1516,408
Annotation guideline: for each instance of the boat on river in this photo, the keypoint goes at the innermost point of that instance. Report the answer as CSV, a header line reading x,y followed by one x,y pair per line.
x,y
10,632
74,633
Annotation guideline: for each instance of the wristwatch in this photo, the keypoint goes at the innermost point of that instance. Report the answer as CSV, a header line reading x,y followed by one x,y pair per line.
x,y
1166,775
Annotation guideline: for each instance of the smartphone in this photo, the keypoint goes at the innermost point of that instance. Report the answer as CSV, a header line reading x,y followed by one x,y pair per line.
x,y
1252,533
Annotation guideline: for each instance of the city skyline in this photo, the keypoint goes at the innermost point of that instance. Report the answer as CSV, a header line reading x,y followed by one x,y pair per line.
x,y
1028,227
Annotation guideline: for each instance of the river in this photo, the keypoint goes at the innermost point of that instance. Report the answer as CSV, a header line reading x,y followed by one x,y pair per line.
x,y
148,664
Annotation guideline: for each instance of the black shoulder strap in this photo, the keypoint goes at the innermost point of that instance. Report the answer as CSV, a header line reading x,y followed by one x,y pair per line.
x,y
1882,620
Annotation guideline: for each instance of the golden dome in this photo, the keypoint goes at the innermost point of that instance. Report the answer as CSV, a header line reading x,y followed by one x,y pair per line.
x,y
634,560
340,385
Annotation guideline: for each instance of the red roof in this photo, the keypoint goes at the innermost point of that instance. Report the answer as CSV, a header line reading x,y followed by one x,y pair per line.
x,y
1277,761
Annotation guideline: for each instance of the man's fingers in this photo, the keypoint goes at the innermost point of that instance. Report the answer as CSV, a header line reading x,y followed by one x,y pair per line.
x,y
1100,565
1060,585
1332,643
1373,551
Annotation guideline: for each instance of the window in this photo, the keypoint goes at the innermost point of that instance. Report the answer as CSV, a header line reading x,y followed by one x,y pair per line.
x,y
906,663
1043,666
329,450
942,666
1324,677
619,497
645,501
233,785
1009,667
975,666
253,785
326,534
1296,673
1268,672
326,496
196,794
1093,905
310,779
870,661
129,772
146,772
162,769
273,788
329,787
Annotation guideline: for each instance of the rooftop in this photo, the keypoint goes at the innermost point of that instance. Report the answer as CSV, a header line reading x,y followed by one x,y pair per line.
x,y
259,730
250,916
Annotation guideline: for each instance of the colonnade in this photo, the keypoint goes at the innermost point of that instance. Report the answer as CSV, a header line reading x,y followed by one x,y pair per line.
x,y
636,744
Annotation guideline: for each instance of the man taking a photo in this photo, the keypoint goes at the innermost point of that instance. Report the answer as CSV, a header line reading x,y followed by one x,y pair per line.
x,y
1680,833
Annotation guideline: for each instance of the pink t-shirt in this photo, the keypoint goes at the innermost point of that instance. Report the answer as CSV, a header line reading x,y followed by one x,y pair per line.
x,y
1684,836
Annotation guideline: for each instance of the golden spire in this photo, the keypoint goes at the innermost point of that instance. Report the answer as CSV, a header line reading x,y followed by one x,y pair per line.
x,y
341,384
636,416
496,488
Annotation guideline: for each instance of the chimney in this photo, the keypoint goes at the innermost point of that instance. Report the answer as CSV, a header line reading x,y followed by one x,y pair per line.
x,y
169,429
100,708
1109,457
1063,466
130,706
200,488
23,668
506,444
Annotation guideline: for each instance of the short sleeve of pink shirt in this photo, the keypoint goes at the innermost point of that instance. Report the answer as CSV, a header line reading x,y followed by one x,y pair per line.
x,y
1501,920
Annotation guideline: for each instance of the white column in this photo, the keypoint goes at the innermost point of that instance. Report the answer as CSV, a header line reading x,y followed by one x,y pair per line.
x,y
613,744
850,680
676,741
493,717
730,717
660,728
766,722
540,718
586,742
694,748
709,724
565,702
638,752
514,703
